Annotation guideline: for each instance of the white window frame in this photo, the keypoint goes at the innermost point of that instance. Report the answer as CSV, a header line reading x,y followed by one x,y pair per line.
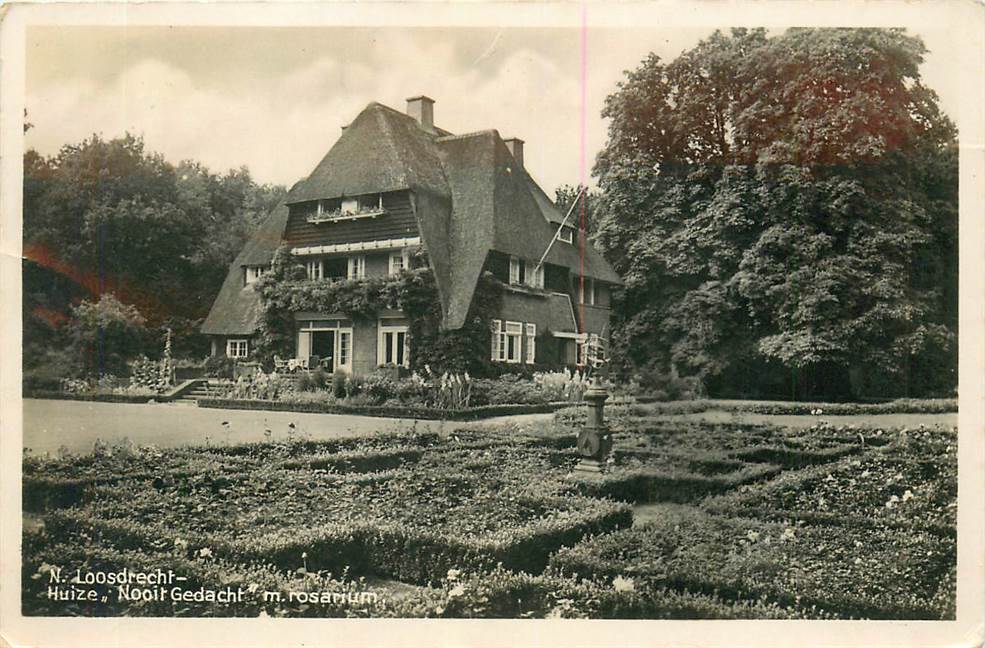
x,y
349,206
237,348
400,256
304,344
530,352
496,332
512,331
343,349
357,267
395,330
566,234
315,269
253,273
515,278
535,279
587,291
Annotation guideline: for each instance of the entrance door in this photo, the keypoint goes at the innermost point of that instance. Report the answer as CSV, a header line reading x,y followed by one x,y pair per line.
x,y
323,346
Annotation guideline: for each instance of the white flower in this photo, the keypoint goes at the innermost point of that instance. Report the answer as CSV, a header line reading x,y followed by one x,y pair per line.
x,y
453,574
788,534
458,590
752,535
907,495
623,584
205,552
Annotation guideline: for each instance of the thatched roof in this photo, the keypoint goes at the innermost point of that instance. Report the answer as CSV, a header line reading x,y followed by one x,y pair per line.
x,y
471,195
381,150
237,307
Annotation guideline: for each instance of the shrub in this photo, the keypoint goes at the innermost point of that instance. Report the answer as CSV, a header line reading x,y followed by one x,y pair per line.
x,y
380,387
338,384
105,334
220,367
152,374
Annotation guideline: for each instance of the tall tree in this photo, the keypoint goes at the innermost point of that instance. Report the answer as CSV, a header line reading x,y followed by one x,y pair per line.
x,y
114,218
784,212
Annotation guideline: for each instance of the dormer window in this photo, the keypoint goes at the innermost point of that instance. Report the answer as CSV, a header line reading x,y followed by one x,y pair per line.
x,y
526,273
566,234
347,208
253,273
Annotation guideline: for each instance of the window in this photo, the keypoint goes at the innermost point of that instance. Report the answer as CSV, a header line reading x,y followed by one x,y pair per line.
x,y
237,348
531,355
349,206
254,272
398,262
336,268
517,270
587,291
567,234
315,268
393,348
506,341
357,267
523,273
345,347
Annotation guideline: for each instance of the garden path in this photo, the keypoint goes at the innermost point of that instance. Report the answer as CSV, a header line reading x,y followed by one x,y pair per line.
x,y
51,424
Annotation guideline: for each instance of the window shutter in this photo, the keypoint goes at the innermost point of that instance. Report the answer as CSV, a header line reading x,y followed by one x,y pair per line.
x,y
514,270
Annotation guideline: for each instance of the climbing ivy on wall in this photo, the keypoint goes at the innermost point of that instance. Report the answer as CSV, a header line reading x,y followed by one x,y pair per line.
x,y
286,290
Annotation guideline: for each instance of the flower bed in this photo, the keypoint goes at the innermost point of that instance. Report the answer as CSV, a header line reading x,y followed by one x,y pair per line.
x,y
453,505
851,572
909,483
385,411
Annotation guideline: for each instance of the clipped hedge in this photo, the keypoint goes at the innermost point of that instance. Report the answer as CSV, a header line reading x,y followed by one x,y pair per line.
x,y
356,461
385,411
382,549
851,572
96,397
645,486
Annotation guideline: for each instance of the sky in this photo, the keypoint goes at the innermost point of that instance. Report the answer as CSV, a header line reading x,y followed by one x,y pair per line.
x,y
275,99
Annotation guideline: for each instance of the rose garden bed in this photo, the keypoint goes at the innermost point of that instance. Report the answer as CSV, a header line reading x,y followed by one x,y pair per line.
x,y
493,522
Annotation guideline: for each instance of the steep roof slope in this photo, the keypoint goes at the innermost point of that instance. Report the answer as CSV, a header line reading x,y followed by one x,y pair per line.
x,y
381,150
237,307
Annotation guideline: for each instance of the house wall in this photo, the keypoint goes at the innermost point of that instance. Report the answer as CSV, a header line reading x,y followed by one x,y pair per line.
x,y
398,222
218,343
364,334
530,309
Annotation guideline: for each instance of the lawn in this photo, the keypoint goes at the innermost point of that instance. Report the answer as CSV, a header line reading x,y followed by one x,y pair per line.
x,y
732,521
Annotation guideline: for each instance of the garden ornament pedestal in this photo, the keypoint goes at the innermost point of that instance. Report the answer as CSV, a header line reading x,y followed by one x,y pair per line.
x,y
595,440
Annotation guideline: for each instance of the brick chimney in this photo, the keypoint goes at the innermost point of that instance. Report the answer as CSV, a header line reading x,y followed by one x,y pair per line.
x,y
515,145
422,109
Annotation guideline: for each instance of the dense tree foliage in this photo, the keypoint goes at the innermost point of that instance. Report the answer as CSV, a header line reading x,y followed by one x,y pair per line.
x,y
784,211
583,214
107,216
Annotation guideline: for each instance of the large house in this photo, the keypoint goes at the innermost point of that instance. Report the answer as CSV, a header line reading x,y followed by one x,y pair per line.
x,y
394,184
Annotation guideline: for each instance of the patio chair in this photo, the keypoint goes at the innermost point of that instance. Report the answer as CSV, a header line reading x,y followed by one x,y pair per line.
x,y
280,365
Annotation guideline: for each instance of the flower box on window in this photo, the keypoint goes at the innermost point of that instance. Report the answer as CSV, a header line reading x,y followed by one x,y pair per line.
x,y
347,209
